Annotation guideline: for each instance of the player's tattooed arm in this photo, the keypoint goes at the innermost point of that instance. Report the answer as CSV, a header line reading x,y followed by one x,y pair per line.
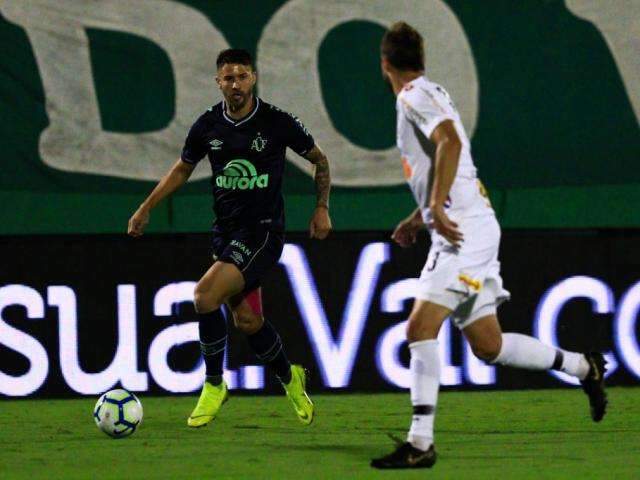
x,y
321,175
320,225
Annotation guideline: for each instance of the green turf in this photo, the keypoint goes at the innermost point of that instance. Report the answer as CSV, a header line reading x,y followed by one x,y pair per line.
x,y
525,434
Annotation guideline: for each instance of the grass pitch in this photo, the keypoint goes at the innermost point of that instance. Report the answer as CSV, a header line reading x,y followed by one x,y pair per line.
x,y
525,434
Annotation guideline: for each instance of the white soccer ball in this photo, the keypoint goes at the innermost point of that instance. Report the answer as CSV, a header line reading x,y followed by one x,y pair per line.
x,y
118,413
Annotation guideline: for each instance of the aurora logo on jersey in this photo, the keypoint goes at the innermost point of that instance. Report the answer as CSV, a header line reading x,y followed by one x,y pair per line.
x,y
240,174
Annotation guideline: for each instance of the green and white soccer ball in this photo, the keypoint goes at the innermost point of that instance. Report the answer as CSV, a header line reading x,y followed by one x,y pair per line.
x,y
118,413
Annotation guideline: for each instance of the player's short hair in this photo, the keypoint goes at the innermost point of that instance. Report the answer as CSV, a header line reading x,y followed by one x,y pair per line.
x,y
403,47
234,55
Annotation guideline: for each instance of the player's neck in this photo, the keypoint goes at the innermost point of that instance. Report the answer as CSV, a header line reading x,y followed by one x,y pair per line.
x,y
242,112
400,79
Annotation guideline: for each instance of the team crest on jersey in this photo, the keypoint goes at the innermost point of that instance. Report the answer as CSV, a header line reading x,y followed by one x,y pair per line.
x,y
258,143
216,144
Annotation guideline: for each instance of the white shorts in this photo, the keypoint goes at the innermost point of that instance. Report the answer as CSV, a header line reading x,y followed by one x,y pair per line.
x,y
465,280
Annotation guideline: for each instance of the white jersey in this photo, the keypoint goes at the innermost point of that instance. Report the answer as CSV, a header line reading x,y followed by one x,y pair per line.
x,y
422,105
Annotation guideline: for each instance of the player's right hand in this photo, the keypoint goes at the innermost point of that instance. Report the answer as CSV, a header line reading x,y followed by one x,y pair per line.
x,y
138,222
445,226
405,233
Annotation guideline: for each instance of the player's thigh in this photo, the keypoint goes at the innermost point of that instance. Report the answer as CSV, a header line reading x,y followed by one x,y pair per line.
x,y
425,320
485,337
246,309
219,283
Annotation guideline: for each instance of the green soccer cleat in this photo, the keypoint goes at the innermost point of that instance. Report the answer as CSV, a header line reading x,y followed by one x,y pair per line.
x,y
209,403
296,394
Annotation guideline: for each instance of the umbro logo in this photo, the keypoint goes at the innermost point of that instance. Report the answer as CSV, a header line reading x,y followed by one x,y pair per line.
x,y
216,144
237,257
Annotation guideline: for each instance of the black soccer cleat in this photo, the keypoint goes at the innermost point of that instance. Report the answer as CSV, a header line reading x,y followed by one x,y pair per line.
x,y
593,385
406,456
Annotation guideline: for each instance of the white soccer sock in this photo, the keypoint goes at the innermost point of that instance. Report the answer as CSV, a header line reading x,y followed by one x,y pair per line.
x,y
574,364
526,352
425,382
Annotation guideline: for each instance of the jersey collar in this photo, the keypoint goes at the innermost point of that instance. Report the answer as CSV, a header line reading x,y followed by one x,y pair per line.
x,y
242,120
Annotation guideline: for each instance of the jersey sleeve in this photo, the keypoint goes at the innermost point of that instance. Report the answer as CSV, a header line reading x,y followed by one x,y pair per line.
x,y
296,135
426,111
195,147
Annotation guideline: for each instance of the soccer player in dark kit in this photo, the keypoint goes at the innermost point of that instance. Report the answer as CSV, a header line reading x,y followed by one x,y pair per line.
x,y
245,140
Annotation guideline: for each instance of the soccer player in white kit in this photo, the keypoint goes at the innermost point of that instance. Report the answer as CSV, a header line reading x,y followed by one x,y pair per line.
x,y
461,278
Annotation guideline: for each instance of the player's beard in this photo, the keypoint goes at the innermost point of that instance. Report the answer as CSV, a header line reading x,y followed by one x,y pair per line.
x,y
237,104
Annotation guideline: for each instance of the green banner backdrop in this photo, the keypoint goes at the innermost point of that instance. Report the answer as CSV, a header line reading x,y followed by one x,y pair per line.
x,y
96,98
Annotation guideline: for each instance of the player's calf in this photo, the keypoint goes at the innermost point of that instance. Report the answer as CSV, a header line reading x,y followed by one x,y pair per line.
x,y
248,324
488,349
485,337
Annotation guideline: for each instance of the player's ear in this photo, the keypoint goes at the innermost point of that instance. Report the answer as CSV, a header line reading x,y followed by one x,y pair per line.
x,y
384,64
218,81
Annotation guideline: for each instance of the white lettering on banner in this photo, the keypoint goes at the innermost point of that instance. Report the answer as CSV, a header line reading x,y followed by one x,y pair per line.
x,y
618,22
123,368
387,354
288,55
162,373
252,377
545,322
178,382
624,330
335,357
23,343
74,139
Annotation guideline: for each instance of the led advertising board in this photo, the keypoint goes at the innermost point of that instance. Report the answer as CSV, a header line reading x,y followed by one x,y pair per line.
x,y
80,314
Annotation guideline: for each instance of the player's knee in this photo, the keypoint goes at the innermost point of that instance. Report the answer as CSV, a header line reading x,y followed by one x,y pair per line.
x,y
248,323
206,301
418,330
487,349
412,332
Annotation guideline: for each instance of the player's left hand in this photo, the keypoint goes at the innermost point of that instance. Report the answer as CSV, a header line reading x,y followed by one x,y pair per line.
x,y
320,224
